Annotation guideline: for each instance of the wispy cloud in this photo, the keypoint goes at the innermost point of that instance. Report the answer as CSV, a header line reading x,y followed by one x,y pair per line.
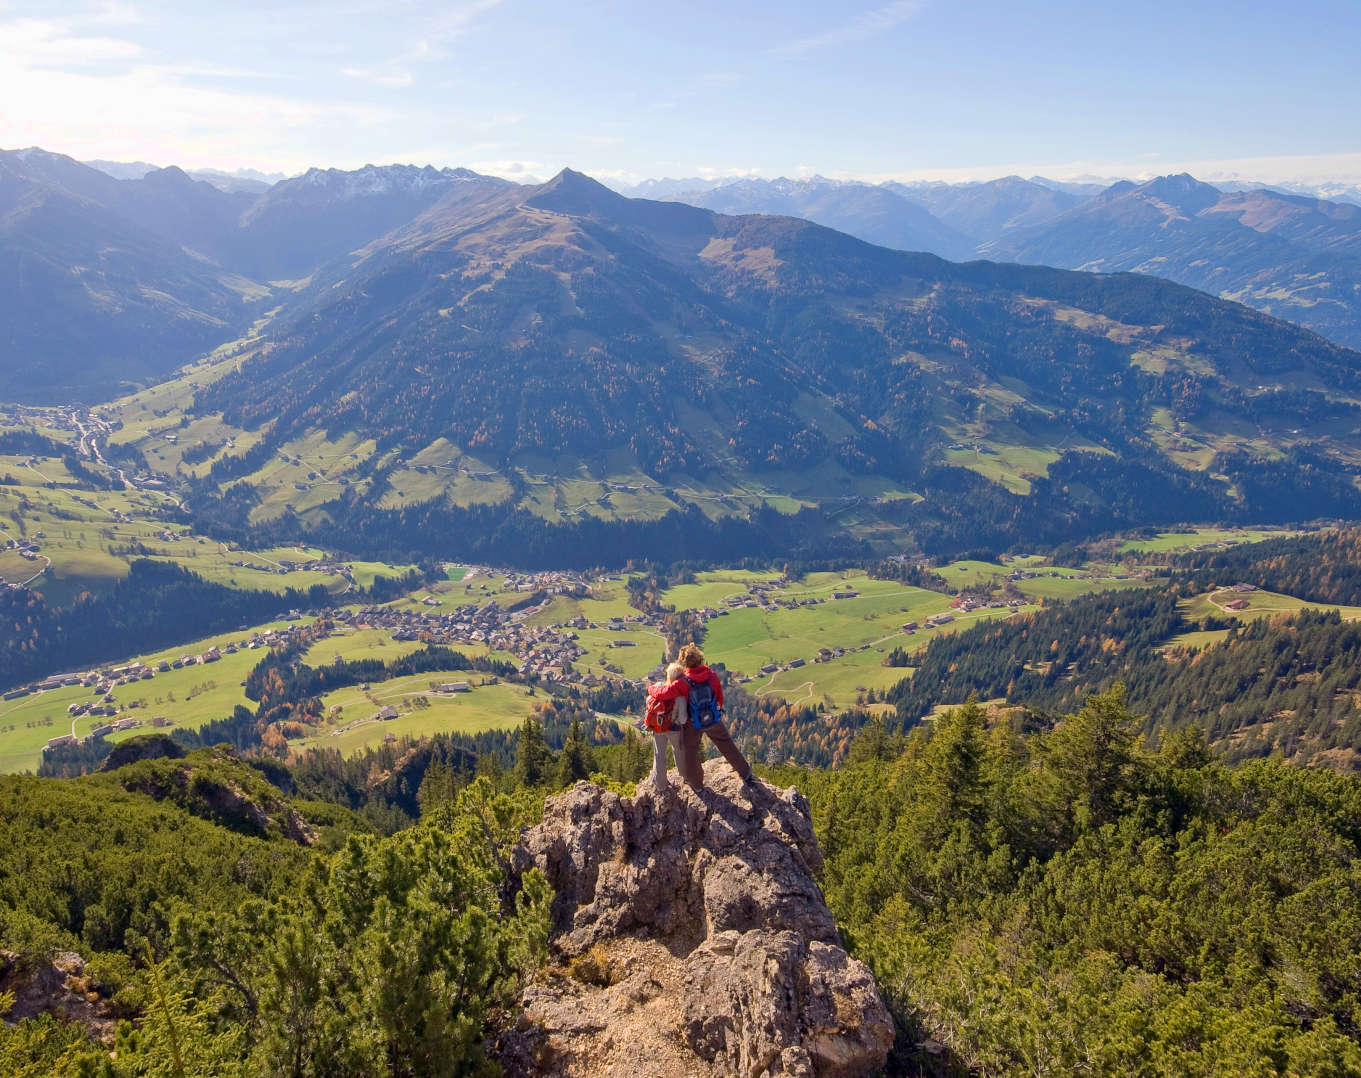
x,y
88,92
60,43
708,172
865,25
519,171
432,46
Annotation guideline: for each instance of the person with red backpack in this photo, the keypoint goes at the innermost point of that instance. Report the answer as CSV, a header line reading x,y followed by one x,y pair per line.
x,y
664,720
703,693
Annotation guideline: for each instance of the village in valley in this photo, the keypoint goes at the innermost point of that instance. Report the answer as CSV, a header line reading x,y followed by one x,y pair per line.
x,y
831,639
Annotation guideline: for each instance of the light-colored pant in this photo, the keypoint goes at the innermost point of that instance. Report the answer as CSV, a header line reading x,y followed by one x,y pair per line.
x,y
659,743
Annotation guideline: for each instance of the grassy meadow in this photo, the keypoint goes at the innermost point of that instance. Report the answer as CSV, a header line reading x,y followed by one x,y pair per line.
x,y
188,697
421,712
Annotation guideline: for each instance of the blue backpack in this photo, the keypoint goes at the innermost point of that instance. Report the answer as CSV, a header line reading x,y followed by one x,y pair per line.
x,y
704,709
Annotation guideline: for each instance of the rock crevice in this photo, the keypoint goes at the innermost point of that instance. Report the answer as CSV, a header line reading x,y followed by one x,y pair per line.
x,y
691,940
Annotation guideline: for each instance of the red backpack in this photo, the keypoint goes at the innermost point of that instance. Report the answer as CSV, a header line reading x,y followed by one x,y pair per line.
x,y
658,716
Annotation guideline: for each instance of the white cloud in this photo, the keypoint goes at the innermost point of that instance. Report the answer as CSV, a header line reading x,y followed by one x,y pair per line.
x,y
865,25
430,47
710,173
56,43
519,171
101,97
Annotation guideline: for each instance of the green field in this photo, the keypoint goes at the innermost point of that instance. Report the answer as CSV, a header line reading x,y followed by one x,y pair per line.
x,y
1202,537
1198,639
747,639
1260,604
630,662
486,707
608,599
974,574
188,697
710,589
92,536
1065,586
354,644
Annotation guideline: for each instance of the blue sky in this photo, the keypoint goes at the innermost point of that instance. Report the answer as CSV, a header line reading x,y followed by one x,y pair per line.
x,y
906,89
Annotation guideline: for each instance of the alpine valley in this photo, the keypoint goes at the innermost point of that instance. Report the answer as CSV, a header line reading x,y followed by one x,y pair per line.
x,y
344,520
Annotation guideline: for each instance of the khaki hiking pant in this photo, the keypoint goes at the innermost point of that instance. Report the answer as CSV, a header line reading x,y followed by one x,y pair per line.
x,y
688,759
659,743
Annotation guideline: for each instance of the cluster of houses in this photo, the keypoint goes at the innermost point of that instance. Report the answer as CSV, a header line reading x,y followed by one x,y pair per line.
x,y
26,548
105,679
326,566
107,728
543,651
552,582
966,602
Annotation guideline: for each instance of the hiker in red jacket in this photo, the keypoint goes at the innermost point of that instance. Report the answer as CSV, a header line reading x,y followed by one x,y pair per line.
x,y
699,683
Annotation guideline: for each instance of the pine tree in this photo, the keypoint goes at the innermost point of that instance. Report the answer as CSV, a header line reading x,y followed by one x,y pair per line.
x,y
533,756
576,761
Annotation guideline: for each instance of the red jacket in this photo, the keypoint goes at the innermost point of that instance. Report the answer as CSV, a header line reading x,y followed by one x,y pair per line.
x,y
680,687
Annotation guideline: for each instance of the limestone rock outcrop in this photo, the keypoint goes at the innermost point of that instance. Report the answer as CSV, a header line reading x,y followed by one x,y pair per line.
x,y
691,939
56,985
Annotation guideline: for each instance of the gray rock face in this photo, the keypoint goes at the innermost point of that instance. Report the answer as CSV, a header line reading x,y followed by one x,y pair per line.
x,y
56,985
693,940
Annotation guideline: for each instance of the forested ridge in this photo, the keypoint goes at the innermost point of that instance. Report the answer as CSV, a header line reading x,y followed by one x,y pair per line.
x,y
1287,683
1322,566
1076,901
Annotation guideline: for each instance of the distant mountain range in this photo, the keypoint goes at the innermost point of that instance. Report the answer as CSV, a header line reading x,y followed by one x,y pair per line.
x,y
1290,255
475,356
111,283
1297,258
250,180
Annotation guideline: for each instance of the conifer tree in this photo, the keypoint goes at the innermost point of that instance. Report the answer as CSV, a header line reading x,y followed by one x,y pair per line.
x,y
533,756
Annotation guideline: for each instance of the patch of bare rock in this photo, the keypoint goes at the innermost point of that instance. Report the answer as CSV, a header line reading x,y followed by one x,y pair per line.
x,y
56,985
690,941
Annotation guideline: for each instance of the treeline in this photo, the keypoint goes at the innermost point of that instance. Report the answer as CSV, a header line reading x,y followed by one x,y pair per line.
x,y
1076,902
1049,659
279,678
774,732
393,783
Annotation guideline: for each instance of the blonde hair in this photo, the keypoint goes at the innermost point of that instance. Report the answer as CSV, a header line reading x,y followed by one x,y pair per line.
x,y
674,671
690,656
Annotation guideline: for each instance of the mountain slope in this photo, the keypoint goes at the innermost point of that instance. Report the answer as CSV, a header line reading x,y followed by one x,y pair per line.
x,y
90,301
164,201
577,355
112,282
1296,258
